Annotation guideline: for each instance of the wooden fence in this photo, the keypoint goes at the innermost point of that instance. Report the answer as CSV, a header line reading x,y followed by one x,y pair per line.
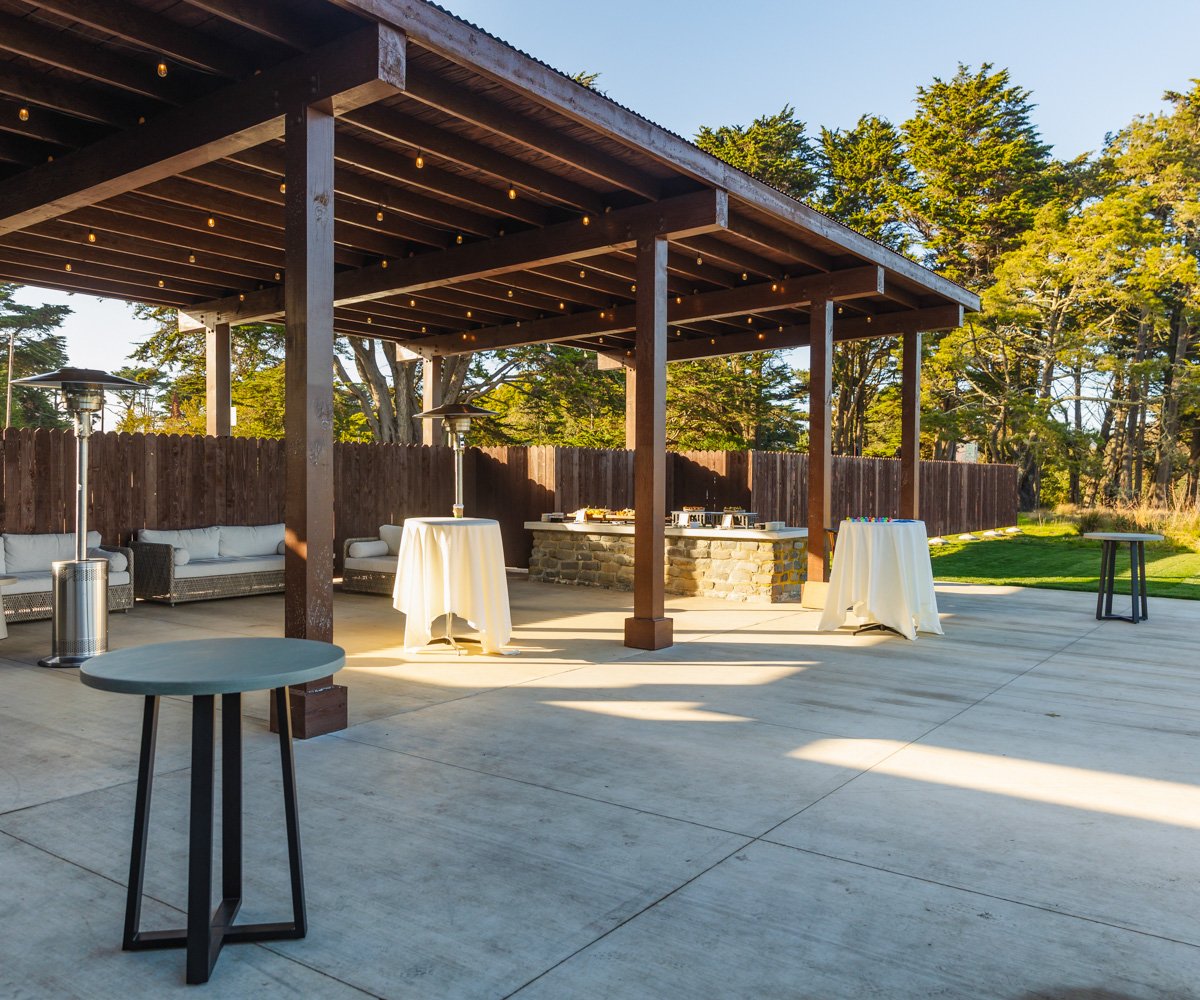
x,y
169,481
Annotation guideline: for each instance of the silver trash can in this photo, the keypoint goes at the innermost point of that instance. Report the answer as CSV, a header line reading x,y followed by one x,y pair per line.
x,y
80,623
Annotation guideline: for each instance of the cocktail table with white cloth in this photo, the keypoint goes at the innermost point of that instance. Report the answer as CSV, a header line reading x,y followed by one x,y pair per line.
x,y
882,574
452,565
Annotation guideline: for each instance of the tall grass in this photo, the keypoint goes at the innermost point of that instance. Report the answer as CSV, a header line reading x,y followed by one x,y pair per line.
x,y
1178,521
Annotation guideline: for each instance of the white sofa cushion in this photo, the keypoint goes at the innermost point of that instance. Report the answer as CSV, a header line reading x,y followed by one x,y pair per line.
x,y
363,550
181,557
117,563
281,548
373,564
228,566
201,543
391,533
250,540
35,553
42,583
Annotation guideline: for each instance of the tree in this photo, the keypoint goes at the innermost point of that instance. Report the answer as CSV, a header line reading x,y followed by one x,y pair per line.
x,y
981,171
773,148
36,348
733,403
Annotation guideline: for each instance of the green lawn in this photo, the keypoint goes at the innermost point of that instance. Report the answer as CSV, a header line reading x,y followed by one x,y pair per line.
x,y
1053,556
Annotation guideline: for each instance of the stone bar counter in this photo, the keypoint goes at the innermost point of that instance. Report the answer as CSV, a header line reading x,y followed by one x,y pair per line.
x,y
738,564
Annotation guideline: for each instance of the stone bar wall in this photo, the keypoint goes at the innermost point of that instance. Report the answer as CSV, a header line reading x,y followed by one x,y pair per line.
x,y
738,565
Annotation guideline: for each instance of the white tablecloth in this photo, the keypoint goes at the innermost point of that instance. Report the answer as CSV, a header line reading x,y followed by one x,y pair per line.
x,y
452,564
882,574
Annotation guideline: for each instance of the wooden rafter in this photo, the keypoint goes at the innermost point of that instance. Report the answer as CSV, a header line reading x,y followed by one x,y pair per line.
x,y
347,73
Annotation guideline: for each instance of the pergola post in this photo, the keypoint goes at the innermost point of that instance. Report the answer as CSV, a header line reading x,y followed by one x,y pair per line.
x,y
910,426
431,398
319,706
630,407
820,440
649,628
217,397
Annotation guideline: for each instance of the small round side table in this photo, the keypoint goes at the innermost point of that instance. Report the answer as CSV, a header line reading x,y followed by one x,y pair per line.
x,y
204,669
1108,572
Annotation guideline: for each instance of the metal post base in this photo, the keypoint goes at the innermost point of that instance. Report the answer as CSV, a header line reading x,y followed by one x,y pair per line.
x,y
62,661
879,627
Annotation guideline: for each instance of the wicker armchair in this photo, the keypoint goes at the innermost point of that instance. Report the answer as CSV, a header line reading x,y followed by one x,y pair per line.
x,y
38,605
156,580
366,581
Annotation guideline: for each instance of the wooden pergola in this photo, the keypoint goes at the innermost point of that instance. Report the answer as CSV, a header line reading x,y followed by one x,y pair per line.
x,y
383,169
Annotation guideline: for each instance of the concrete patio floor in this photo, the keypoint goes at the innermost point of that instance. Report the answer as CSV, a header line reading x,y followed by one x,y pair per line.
x,y
760,811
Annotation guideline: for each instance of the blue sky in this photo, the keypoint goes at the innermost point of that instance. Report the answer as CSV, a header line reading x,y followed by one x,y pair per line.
x,y
1091,65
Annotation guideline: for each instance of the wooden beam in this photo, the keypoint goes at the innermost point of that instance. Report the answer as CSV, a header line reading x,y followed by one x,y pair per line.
x,y
766,297
900,322
630,406
649,628
453,148
77,100
320,706
820,440
66,51
431,397
462,103
46,125
279,21
910,426
69,281
217,372
347,73
86,265
156,34
703,211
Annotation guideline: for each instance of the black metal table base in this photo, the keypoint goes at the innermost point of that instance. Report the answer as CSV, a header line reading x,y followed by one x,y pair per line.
x,y
879,627
1108,581
208,930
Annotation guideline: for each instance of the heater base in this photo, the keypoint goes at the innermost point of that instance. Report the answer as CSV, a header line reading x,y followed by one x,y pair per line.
x,y
62,661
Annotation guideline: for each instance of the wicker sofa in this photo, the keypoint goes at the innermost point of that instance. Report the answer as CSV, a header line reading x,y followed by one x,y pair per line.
x,y
28,558
202,564
369,564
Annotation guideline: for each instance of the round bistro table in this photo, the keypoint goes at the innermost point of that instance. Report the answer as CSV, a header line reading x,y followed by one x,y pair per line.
x,y
1110,540
204,669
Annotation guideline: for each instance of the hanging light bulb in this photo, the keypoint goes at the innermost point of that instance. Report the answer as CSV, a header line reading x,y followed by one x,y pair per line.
x,y
412,303
587,220
162,69
283,188
510,293
562,305
422,329
369,321
379,215
91,236
23,114
278,276
161,283
458,238
699,260
191,257
583,274
743,276
512,193
468,314
419,162
67,266
212,222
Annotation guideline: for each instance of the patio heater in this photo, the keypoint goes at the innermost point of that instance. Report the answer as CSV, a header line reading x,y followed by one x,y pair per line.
x,y
79,586
456,418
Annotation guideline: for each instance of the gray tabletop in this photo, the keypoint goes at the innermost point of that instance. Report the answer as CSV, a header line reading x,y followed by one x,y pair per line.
x,y
212,666
1122,536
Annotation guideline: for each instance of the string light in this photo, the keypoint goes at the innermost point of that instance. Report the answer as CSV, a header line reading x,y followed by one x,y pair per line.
x,y
839,310
383,263
633,288
699,260
212,222
141,119
191,257
23,114
412,303
379,215
161,283
512,193
458,239
587,220
91,236
743,276
162,69
419,162
510,293
762,336
67,266
562,305
774,287
422,329
583,274
468,314
283,188
277,276
369,321
749,319
241,296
